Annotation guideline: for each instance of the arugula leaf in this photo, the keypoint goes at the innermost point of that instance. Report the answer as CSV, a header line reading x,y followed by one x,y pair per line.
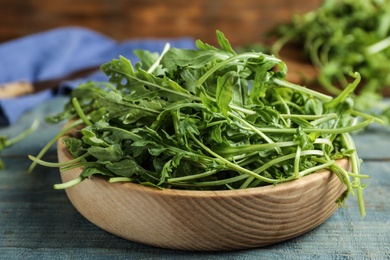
x,y
224,43
224,91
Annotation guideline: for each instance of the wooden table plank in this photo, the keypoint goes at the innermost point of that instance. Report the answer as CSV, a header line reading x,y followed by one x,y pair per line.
x,y
38,222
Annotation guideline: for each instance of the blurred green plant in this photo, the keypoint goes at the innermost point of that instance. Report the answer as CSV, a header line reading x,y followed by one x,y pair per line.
x,y
341,36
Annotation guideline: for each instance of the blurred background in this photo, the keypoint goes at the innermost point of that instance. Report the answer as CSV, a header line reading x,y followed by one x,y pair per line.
x,y
243,22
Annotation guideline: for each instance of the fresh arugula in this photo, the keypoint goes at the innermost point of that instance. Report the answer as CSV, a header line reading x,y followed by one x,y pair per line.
x,y
207,119
7,142
342,36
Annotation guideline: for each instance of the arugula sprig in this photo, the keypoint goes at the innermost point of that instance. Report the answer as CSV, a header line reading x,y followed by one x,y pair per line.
x,y
6,141
207,119
342,36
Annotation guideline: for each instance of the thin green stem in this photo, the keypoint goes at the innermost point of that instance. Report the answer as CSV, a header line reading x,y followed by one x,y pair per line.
x,y
256,130
68,184
243,149
379,46
57,164
23,134
175,120
314,52
280,43
231,164
127,133
286,157
291,104
322,130
367,116
80,112
349,144
323,119
192,177
310,117
76,165
53,140
346,92
157,62
182,91
316,168
212,183
341,173
290,85
121,179
286,108
297,162
246,55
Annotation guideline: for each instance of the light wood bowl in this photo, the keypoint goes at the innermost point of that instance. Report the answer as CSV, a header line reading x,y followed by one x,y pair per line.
x,y
205,220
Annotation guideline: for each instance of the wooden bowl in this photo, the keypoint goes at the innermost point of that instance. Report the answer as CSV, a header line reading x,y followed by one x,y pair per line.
x,y
205,220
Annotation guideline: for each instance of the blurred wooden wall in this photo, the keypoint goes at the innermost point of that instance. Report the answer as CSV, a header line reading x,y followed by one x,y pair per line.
x,y
242,21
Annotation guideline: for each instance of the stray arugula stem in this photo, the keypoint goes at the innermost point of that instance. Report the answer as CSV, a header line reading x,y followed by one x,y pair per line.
x,y
64,131
56,164
4,142
68,184
23,134
120,179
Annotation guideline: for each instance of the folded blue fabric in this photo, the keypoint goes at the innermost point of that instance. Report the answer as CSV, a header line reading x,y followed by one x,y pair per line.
x,y
59,52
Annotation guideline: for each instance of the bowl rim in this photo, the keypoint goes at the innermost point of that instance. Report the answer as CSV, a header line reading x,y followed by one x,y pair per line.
x,y
319,176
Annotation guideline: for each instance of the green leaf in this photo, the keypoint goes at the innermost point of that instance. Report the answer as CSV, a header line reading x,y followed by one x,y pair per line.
x,y
224,43
191,58
224,91
126,167
209,102
189,125
147,59
263,73
216,134
118,71
89,137
112,153
74,145
95,170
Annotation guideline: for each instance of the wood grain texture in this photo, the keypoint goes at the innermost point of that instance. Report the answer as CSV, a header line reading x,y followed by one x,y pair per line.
x,y
243,22
205,220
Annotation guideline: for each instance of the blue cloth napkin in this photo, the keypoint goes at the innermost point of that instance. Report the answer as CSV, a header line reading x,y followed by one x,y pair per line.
x,y
59,52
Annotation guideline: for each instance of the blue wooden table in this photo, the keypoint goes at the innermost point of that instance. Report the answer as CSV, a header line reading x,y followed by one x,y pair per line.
x,y
38,222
